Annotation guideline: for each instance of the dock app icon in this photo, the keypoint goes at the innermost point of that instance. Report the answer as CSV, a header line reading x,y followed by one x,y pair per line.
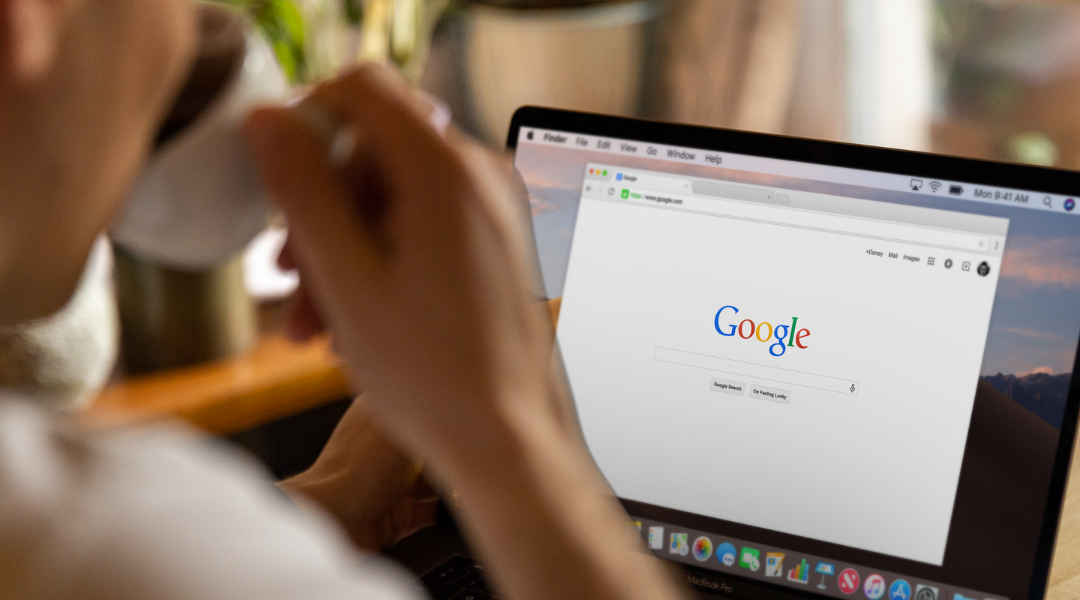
x,y
656,538
750,558
926,592
726,554
774,564
679,545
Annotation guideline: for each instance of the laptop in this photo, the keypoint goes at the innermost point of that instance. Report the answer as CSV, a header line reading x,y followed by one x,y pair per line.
x,y
808,369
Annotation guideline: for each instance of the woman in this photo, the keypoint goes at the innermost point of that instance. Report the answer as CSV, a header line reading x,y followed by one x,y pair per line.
x,y
413,260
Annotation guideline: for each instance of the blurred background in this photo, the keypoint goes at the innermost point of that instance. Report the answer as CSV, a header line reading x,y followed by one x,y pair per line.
x,y
983,78
995,79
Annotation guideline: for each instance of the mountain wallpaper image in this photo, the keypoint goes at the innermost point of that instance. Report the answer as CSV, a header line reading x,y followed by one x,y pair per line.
x,y
1041,393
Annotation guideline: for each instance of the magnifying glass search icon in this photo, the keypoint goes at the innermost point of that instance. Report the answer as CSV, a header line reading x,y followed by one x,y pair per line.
x,y
1047,202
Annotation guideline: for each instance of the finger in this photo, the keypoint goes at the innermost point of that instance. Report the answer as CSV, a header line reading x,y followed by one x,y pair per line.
x,y
285,260
304,321
394,126
326,235
438,112
424,490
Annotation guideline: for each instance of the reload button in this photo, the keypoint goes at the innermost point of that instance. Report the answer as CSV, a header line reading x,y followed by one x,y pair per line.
x,y
736,388
770,394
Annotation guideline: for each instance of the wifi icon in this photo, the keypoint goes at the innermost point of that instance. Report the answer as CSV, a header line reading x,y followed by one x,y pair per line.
x,y
935,186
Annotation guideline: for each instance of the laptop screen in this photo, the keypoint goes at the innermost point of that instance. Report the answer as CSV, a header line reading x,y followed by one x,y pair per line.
x,y
830,380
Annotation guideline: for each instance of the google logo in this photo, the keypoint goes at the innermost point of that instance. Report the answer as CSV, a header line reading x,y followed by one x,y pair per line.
x,y
785,335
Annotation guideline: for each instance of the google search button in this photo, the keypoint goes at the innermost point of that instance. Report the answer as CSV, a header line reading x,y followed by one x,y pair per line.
x,y
736,388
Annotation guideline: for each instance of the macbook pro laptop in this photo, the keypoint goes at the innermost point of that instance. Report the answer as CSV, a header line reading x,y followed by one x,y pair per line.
x,y
811,369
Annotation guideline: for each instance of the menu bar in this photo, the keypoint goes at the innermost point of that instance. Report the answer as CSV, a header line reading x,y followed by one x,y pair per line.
x,y
786,168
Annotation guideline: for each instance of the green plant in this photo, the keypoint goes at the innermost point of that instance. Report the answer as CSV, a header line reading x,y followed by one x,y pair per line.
x,y
283,25
354,12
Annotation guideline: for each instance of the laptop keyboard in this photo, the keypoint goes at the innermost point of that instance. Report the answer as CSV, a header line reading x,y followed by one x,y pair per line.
x,y
459,578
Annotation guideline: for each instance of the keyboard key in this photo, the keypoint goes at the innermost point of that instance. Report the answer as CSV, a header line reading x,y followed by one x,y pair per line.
x,y
445,582
473,580
461,561
442,591
444,574
471,595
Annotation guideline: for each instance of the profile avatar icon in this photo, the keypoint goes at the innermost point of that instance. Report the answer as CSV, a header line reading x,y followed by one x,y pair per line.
x,y
984,269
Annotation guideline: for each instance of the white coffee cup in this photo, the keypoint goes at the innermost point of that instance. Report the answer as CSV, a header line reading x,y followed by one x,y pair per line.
x,y
199,201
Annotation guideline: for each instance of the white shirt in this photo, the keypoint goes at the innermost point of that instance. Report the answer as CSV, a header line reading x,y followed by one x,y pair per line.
x,y
161,513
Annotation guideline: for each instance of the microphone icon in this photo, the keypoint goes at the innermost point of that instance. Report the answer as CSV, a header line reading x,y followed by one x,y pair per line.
x,y
853,388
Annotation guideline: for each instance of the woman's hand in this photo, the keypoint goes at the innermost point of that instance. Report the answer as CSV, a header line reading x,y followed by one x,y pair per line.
x,y
374,490
413,256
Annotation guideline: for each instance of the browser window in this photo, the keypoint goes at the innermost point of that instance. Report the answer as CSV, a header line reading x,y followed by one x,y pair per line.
x,y
825,356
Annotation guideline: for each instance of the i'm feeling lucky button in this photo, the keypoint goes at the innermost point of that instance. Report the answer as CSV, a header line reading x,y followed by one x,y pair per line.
x,y
770,394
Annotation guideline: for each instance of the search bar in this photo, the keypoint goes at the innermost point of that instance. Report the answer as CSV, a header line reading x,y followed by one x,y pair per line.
x,y
756,372
832,223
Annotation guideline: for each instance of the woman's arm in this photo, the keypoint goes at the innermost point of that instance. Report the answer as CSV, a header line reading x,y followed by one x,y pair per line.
x,y
414,257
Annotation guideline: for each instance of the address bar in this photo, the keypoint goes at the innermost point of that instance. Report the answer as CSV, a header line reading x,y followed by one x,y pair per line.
x,y
808,219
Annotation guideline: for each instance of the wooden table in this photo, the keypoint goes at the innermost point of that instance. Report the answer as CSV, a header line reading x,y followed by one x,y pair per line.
x,y
275,379
278,378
